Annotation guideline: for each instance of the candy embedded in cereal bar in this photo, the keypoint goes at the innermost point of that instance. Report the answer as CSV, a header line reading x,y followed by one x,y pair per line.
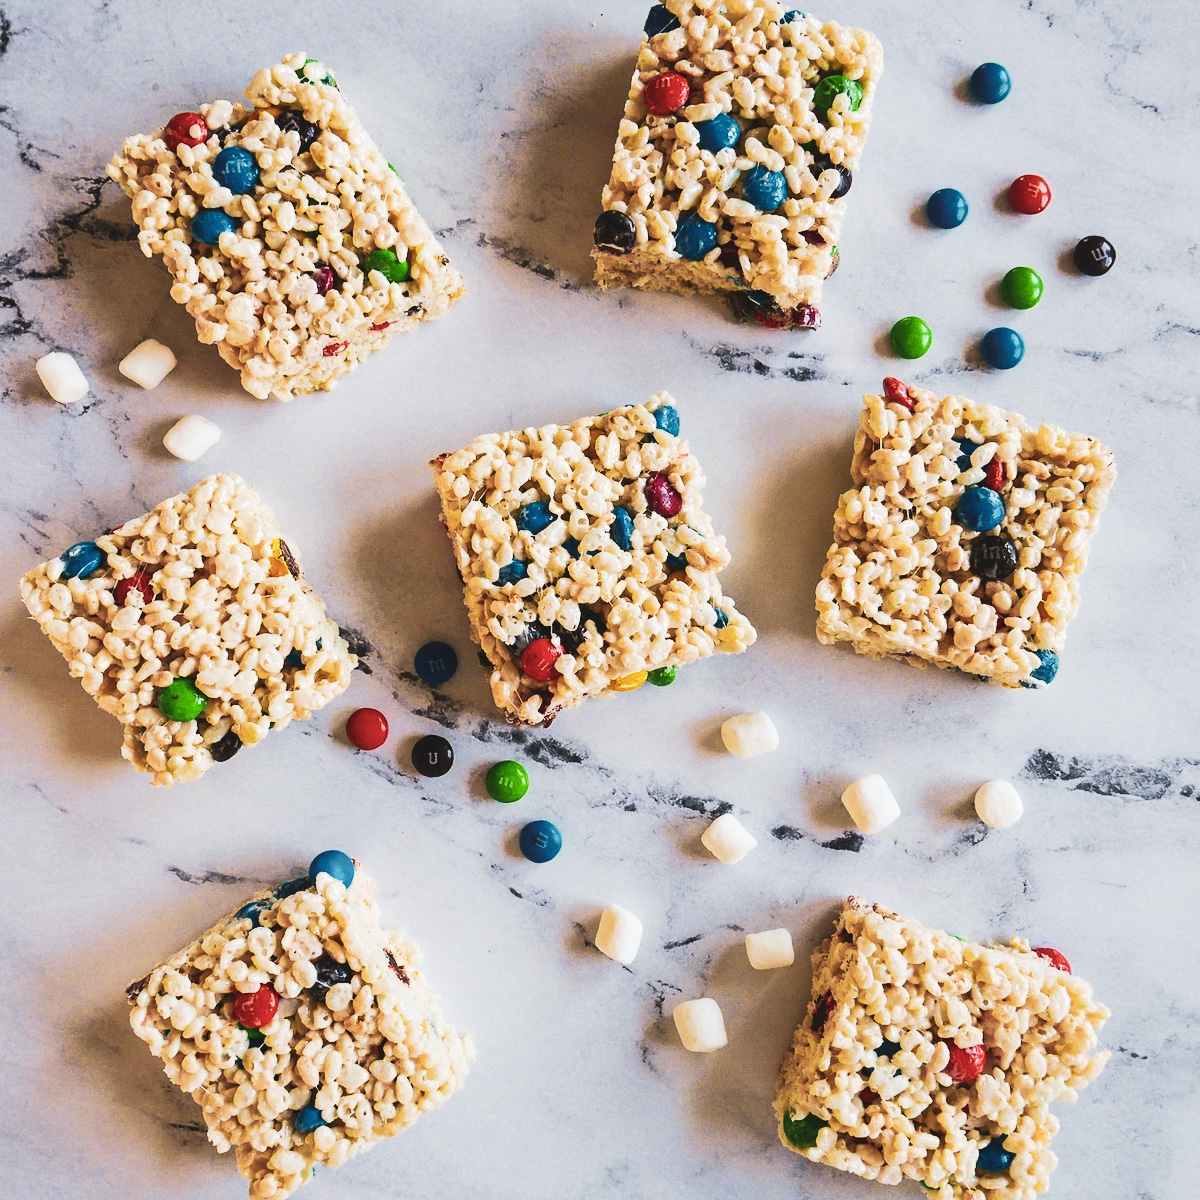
x,y
925,1057
745,122
586,557
291,239
194,627
303,1030
963,539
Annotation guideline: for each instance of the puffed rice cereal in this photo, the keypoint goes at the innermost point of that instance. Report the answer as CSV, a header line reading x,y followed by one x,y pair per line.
x,y
356,1050
738,60
199,602
317,263
928,1058
586,557
919,571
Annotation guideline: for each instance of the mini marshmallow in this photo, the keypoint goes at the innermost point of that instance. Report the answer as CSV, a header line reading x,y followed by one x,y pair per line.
x,y
191,436
61,377
770,949
749,734
728,839
998,804
148,363
870,803
619,935
701,1025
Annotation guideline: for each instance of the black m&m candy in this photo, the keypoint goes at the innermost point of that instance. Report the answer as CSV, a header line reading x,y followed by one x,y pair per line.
x,y
433,755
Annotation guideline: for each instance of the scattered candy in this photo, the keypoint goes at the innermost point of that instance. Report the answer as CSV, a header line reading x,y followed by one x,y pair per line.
x,y
695,237
367,728
666,418
139,584
82,561
619,935
830,88
386,262
766,190
911,337
185,129
946,208
660,19
209,223
993,1158
700,1024
980,509
292,122
621,529
993,558
540,841
666,93
148,363
720,133
728,839
61,377
334,863
224,749
191,436
615,232
630,683
770,949
308,1119
662,497
661,676
181,700
1021,287
539,657
433,755
1095,255
749,734
802,1131
1002,348
870,803
998,804
1056,958
896,392
507,781
966,1062
435,663
256,1009
990,83
1029,194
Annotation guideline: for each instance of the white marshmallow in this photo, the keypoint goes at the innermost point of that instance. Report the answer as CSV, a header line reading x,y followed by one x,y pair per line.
x,y
870,803
770,949
998,804
749,734
61,377
619,935
701,1025
148,363
191,436
728,839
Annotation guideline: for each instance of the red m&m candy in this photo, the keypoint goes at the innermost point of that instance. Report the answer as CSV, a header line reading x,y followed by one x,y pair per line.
x,y
667,93
138,582
1029,194
896,392
256,1009
367,728
539,658
661,496
993,474
185,129
966,1063
1056,958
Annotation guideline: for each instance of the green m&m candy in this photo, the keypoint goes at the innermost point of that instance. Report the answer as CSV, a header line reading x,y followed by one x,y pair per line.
x,y
661,676
830,88
911,337
507,781
1021,287
802,1131
181,701
387,264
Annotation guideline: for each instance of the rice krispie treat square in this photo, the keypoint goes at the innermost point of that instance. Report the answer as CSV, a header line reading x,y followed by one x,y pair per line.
x,y
926,1057
588,562
194,627
963,539
291,239
745,122
303,1030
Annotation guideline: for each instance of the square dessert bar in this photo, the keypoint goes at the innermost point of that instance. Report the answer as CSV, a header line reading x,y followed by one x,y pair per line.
x,y
302,1029
194,627
926,1057
963,539
588,563
291,239
745,122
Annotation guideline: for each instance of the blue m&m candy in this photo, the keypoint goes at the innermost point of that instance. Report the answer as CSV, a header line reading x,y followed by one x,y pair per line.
x,y
209,223
667,419
236,169
660,19
513,573
1002,348
980,509
764,189
695,237
990,83
435,662
335,863
621,529
993,1158
946,208
82,560
719,133
535,517
540,841
308,1119
1046,672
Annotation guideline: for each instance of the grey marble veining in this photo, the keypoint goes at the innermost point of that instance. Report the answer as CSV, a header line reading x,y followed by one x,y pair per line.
x,y
500,118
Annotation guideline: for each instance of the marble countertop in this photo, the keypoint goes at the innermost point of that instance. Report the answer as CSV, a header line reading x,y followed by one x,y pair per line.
x,y
501,118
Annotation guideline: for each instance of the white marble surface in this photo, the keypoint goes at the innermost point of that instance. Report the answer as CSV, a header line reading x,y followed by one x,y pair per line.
x,y
500,117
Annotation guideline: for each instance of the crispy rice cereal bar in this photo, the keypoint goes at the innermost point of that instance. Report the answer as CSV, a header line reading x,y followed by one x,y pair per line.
x,y
744,123
588,562
929,1058
194,627
962,541
291,239
303,1030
